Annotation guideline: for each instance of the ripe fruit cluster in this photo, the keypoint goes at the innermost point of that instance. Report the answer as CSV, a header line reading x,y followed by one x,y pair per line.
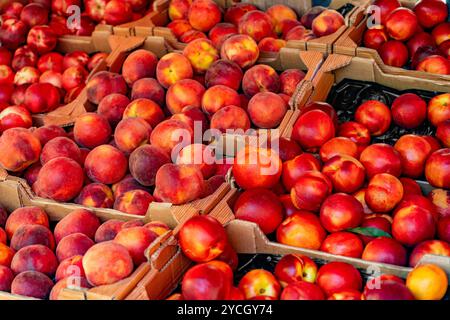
x,y
331,190
420,36
80,251
202,19
296,277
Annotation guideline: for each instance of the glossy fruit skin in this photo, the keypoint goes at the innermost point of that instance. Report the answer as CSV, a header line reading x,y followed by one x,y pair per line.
x,y
338,276
259,282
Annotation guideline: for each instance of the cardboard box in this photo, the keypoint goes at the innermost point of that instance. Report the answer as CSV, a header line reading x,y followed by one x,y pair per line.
x,y
351,43
323,44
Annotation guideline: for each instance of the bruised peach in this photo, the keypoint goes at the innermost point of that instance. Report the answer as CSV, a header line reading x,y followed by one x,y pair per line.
x,y
23,216
96,195
224,72
199,155
230,118
178,184
19,149
72,266
375,115
185,92
346,173
35,257
313,129
75,244
131,133
437,168
173,67
136,240
217,97
77,221
60,179
171,133
29,234
139,64
91,130
310,190
381,158
385,250
201,53
146,109
106,263
240,49
341,211
204,14
327,22
260,78
60,147
32,284
134,202
104,83
266,109
106,164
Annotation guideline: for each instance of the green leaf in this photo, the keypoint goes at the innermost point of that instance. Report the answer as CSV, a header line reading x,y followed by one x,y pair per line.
x,y
370,231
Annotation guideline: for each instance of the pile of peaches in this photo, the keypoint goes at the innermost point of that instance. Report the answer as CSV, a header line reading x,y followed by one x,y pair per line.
x,y
39,260
295,277
195,19
419,38
327,188
142,129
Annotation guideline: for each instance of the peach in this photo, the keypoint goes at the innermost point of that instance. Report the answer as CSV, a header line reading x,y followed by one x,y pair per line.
x,y
256,24
434,143
192,116
288,149
15,117
427,282
386,7
134,202
441,33
437,109
131,133
60,147
436,247
234,13
192,35
199,155
106,164
103,84
96,195
266,109
287,25
313,129
257,168
375,36
388,290
6,278
91,130
35,257
6,255
75,244
146,109
347,295
441,201
289,80
179,27
341,211
293,169
145,161
19,148
32,284
434,64
269,44
217,97
112,107
3,236
31,174
376,222
47,133
437,168
77,221
356,132
178,184
344,244
413,224
139,64
346,173
148,88
393,53
302,229
385,250
203,15
3,216
310,190
260,206
410,186
302,290
259,282
260,78
420,39
60,179
384,192
335,277
136,240
185,92
23,216
77,283
128,183
29,234
443,133
201,53
381,158
278,13
108,230
178,9
173,67
401,24
337,146
171,133
418,200
299,33
241,49
414,151
106,263
409,110
443,229
327,22
224,72
70,267
230,118
375,115
157,227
